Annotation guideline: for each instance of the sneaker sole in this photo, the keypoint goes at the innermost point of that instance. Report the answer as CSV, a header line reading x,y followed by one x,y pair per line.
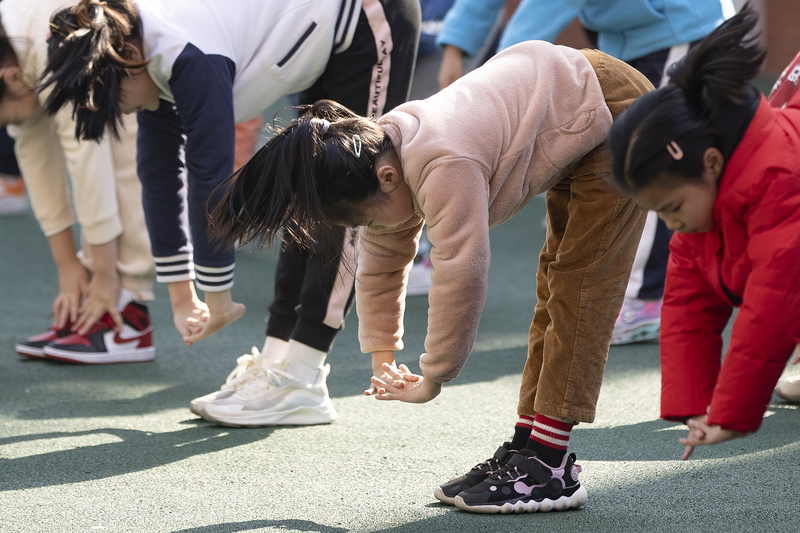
x,y
442,497
29,351
645,332
198,405
788,397
564,503
301,416
140,355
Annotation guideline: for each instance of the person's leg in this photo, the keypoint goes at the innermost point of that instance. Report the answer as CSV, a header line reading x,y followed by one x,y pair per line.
x,y
592,236
247,137
314,290
557,202
640,316
370,77
585,282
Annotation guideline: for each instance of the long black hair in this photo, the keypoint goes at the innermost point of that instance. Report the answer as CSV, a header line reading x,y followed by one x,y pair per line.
x,y
86,59
709,101
310,176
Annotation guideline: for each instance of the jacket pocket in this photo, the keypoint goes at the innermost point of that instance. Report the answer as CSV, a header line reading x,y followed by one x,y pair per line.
x,y
581,123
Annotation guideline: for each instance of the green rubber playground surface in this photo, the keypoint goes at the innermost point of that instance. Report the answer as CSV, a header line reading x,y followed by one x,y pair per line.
x,y
115,448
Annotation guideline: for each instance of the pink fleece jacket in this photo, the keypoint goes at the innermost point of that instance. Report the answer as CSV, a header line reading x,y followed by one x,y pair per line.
x,y
473,155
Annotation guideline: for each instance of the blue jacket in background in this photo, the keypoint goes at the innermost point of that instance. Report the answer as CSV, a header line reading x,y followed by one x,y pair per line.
x,y
627,29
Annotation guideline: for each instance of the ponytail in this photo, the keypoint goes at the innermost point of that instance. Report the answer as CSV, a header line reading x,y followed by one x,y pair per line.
x,y
307,178
708,102
719,68
85,61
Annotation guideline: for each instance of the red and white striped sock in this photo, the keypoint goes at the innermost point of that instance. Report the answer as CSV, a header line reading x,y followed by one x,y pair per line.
x,y
550,438
522,432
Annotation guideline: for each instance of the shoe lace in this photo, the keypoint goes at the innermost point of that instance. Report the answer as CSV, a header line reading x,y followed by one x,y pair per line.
x,y
506,473
256,378
104,324
243,363
489,465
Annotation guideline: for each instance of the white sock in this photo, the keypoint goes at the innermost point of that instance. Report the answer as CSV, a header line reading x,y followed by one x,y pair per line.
x,y
304,362
274,350
125,297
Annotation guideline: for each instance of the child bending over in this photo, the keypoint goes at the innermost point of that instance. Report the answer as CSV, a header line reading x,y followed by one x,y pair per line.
x,y
532,119
106,285
719,166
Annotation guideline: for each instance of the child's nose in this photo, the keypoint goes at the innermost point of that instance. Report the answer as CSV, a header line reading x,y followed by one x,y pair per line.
x,y
675,225
672,223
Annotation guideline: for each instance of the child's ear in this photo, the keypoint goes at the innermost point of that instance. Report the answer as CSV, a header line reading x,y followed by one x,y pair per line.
x,y
11,74
133,53
713,161
12,77
388,177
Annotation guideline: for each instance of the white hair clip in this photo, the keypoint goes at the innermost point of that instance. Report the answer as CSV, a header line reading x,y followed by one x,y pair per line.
x,y
674,150
357,145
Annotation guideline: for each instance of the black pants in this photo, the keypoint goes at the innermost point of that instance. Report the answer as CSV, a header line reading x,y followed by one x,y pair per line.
x,y
314,292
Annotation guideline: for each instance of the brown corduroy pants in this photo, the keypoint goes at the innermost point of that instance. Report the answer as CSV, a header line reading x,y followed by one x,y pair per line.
x,y
592,236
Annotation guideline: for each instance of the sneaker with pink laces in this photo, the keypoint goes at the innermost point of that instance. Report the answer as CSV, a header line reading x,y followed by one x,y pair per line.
x,y
638,321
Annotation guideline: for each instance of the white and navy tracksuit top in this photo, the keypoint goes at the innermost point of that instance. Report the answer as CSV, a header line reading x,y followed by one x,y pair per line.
x,y
218,62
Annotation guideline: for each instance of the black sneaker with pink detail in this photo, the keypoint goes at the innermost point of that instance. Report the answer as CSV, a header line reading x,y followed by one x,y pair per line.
x,y
447,493
525,484
104,345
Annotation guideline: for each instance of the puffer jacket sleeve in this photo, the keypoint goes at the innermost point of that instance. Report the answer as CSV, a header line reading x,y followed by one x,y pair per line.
x,y
767,327
693,317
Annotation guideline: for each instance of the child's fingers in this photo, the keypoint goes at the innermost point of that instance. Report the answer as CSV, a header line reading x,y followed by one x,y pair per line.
x,y
687,452
408,375
116,316
379,384
391,371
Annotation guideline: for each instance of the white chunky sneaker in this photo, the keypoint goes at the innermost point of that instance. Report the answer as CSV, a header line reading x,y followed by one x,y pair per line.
x,y
789,388
273,397
243,364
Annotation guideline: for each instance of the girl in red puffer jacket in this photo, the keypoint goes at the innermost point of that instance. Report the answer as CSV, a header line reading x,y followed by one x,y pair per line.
x,y
719,165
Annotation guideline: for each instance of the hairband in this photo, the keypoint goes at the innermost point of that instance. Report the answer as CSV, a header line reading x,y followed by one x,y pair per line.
x,y
357,145
674,150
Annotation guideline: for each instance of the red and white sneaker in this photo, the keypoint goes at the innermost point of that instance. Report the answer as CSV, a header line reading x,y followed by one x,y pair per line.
x,y
103,345
33,347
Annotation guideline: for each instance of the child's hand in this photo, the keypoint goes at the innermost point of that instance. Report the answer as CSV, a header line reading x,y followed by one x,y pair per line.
x,y
378,359
700,434
73,283
221,311
405,386
102,298
796,355
185,305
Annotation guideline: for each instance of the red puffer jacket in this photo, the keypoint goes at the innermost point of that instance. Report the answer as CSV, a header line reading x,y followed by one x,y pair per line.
x,y
750,259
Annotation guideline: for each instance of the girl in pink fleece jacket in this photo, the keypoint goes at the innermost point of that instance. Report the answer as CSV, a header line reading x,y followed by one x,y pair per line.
x,y
531,120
